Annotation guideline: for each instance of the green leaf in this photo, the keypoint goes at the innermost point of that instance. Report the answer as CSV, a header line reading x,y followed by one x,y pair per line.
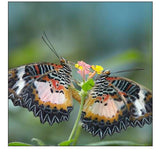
x,y
38,141
66,143
88,85
115,143
18,144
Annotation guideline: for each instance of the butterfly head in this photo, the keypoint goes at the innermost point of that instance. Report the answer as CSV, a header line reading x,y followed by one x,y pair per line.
x,y
106,73
63,61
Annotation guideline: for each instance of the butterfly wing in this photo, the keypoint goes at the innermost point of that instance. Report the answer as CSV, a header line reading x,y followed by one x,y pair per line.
x,y
114,104
138,100
43,89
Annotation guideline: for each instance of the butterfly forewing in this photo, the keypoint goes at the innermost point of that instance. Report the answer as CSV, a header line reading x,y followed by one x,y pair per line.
x,y
138,100
114,104
44,89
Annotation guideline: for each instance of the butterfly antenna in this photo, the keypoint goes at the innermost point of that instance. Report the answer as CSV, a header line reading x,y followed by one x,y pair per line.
x,y
49,44
129,70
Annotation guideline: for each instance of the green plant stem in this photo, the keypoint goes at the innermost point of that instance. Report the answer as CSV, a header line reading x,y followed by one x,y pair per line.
x,y
77,120
78,131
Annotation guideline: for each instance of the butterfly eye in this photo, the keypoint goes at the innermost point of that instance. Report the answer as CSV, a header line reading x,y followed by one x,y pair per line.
x,y
62,60
107,72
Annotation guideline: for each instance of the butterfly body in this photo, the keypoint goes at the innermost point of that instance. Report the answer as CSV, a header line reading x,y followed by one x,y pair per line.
x,y
44,89
115,103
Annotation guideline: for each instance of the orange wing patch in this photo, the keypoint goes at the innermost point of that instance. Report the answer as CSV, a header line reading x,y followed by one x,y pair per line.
x,y
103,109
52,94
104,115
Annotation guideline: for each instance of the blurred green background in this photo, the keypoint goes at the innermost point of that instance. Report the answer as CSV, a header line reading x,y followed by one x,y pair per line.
x,y
116,35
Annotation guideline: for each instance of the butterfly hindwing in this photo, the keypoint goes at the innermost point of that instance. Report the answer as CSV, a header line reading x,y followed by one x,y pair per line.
x,y
115,103
44,89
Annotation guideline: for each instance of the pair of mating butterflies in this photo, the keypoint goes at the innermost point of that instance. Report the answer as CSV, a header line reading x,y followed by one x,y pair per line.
x,y
113,104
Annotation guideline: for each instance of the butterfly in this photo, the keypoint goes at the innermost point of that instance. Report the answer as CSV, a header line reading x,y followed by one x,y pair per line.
x,y
113,104
43,88
116,103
